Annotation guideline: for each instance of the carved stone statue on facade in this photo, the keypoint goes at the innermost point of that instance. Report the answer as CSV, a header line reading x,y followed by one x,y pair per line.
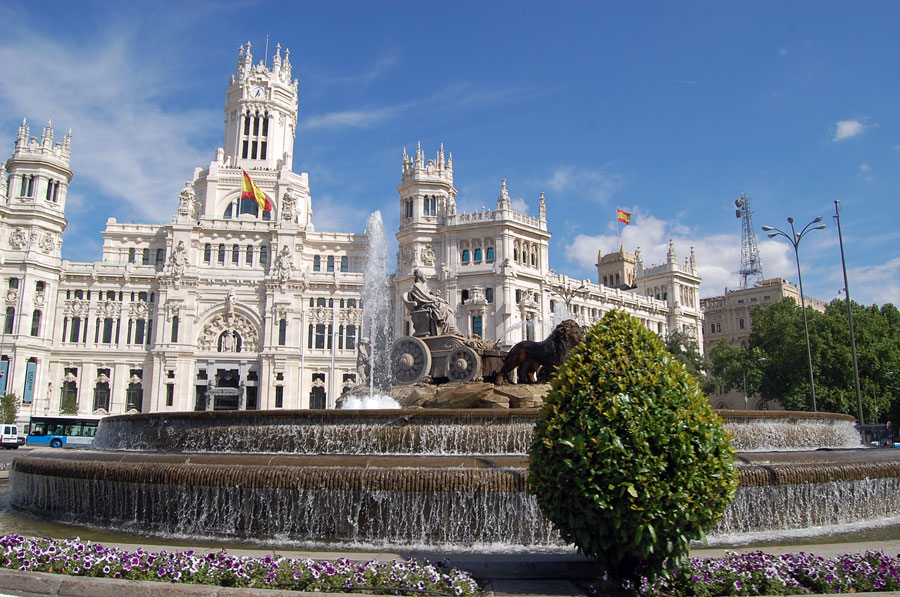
x,y
285,265
438,316
177,261
288,207
186,200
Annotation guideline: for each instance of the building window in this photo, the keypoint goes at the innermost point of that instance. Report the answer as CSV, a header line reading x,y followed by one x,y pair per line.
x,y
476,325
518,296
39,286
330,266
320,335
134,395
477,254
10,321
345,264
282,332
465,256
221,255
68,393
351,337
279,396
131,255
207,253
317,263
249,258
263,255
174,337
235,254
741,324
490,253
170,394
160,256
101,391
489,295
107,330
36,323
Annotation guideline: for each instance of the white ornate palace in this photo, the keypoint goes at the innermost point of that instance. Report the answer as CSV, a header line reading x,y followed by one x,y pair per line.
x,y
227,307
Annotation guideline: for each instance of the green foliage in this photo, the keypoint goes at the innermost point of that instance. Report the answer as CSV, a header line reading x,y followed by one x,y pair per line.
x,y
686,349
9,408
628,460
68,406
778,335
736,368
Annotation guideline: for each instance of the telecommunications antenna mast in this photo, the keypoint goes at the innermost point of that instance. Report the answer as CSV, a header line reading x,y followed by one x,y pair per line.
x,y
751,267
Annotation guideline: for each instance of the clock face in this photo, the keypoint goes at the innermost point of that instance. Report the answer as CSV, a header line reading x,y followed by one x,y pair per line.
x,y
257,92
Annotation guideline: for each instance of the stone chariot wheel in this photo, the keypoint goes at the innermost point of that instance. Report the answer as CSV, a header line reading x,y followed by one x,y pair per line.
x,y
463,365
410,361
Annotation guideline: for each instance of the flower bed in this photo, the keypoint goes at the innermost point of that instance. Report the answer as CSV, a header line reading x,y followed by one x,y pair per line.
x,y
758,573
83,558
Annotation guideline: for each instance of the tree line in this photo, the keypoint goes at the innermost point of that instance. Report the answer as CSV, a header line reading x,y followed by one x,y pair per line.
x,y
774,363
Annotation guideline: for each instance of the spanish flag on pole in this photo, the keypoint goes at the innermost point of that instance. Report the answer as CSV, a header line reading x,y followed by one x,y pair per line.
x,y
249,190
623,216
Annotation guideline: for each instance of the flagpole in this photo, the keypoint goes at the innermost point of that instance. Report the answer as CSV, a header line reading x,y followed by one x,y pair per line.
x,y
617,230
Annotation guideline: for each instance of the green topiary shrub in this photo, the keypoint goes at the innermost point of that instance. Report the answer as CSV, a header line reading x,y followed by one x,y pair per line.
x,y
628,460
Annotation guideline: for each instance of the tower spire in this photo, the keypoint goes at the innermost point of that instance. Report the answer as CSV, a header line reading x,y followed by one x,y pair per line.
x,y
751,266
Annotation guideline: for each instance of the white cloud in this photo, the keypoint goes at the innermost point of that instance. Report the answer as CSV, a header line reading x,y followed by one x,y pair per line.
x,y
597,185
125,144
353,118
844,129
520,205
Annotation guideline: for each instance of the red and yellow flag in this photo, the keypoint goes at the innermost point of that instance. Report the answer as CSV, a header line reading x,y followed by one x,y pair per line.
x,y
249,190
623,216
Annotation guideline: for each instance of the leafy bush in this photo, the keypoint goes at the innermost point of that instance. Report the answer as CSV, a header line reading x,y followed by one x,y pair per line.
x,y
9,408
628,460
69,406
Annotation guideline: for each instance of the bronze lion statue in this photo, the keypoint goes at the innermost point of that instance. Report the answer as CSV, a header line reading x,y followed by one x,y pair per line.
x,y
537,361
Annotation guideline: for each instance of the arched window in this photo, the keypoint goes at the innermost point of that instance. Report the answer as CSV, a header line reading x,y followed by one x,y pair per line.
x,y
131,255
282,332
515,254
464,296
75,331
13,283
10,320
490,253
345,264
236,254
465,256
207,253
330,266
533,259
741,324
489,295
249,258
160,256
263,255
477,254
317,263
221,255
145,257
229,211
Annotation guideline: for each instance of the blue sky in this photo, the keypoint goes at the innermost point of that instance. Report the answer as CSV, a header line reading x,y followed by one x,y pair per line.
x,y
668,110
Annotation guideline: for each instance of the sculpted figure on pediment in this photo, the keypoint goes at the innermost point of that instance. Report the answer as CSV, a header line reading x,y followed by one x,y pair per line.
x,y
177,261
288,206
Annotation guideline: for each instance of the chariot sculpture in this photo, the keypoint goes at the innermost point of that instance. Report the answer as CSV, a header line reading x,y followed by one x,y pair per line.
x,y
437,350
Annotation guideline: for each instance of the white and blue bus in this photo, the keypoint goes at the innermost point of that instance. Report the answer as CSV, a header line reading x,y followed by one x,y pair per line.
x,y
57,432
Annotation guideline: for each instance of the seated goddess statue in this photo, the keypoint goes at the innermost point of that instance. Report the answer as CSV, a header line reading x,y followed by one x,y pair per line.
x,y
420,298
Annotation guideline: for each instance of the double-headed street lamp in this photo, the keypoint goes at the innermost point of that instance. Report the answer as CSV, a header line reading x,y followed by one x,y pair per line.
x,y
794,238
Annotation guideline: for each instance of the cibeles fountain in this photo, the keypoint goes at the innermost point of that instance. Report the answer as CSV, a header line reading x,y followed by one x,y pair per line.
x,y
430,478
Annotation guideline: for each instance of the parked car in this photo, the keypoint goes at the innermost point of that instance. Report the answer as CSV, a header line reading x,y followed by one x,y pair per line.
x,y
9,437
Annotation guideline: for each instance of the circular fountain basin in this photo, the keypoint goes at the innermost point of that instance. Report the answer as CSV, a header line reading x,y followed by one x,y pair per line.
x,y
415,478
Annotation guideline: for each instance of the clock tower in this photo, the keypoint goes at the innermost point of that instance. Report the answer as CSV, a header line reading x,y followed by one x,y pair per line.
x,y
261,112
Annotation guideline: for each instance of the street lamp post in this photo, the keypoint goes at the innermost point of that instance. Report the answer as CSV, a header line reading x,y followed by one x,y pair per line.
x,y
794,239
859,411
760,360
